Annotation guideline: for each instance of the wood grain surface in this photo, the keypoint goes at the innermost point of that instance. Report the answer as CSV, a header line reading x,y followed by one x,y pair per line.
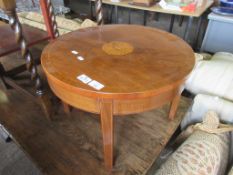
x,y
160,61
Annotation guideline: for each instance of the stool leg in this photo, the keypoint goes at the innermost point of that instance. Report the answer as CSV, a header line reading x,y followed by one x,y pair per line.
x,y
107,132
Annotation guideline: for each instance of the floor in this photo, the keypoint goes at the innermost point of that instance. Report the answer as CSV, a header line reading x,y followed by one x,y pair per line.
x,y
14,161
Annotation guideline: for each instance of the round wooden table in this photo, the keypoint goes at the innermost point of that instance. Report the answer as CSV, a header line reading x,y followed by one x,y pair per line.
x,y
117,70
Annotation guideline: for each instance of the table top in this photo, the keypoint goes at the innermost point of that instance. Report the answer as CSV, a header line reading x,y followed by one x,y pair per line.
x,y
156,8
156,61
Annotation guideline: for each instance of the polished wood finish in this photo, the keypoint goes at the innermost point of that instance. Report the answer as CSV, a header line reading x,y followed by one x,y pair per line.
x,y
106,115
145,79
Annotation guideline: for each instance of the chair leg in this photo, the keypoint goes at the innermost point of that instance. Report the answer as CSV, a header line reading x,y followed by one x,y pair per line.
x,y
46,105
30,63
3,83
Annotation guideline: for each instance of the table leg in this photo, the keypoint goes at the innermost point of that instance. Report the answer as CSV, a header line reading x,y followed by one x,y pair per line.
x,y
156,16
188,27
129,17
196,36
116,14
111,14
91,9
66,108
181,19
171,23
174,106
144,17
107,132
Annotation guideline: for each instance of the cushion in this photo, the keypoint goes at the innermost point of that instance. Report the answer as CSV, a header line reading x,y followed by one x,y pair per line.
x,y
88,23
203,103
201,154
213,77
223,56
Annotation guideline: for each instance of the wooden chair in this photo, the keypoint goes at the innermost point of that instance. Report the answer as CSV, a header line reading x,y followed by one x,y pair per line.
x,y
15,37
28,36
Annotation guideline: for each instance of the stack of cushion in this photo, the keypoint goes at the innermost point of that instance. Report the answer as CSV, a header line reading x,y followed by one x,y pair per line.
x,y
213,77
212,81
204,153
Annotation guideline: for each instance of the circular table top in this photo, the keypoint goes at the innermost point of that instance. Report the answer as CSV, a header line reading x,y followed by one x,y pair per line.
x,y
142,61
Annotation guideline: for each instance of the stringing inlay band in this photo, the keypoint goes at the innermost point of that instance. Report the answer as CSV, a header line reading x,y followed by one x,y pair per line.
x,y
117,48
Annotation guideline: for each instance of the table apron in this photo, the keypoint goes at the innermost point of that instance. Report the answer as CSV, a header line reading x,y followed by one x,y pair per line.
x,y
120,106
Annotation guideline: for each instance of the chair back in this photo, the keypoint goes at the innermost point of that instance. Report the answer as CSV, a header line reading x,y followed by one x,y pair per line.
x,y
7,6
49,18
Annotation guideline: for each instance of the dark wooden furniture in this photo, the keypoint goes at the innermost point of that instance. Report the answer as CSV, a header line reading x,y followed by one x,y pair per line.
x,y
15,37
197,15
148,77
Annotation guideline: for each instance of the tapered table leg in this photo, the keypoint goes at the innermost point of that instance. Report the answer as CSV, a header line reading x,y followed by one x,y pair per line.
x,y
171,23
66,107
188,28
116,14
174,106
107,132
